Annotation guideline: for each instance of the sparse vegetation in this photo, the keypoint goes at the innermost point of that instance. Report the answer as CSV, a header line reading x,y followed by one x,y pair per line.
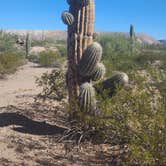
x,y
116,93
10,56
10,61
53,85
135,115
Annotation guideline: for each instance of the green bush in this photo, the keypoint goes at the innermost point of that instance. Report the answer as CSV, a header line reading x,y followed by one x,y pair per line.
x,y
40,43
48,58
62,50
7,42
135,115
133,118
33,58
53,85
116,44
10,61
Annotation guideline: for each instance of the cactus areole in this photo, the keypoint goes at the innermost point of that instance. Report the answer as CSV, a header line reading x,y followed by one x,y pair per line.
x,y
80,19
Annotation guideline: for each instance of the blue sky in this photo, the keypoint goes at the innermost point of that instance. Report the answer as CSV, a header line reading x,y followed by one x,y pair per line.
x,y
148,16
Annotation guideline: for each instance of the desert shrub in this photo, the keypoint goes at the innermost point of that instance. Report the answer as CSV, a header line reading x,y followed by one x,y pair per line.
x,y
135,115
53,85
145,58
7,42
10,56
33,58
10,61
40,43
117,54
134,121
48,58
116,44
62,50
129,118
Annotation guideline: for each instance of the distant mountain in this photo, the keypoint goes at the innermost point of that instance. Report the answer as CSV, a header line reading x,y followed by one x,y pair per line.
x,y
62,35
162,41
141,37
147,39
40,34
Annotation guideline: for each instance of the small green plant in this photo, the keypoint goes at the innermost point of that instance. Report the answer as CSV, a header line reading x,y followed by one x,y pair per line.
x,y
7,42
53,85
9,62
49,58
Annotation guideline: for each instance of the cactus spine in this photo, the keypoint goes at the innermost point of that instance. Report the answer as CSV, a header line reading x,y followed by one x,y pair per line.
x,y
83,14
27,45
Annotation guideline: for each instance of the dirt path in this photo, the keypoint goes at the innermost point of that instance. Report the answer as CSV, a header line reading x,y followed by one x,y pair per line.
x,y
29,131
20,87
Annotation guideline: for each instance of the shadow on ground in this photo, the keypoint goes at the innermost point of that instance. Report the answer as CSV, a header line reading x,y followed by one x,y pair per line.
x,y
29,126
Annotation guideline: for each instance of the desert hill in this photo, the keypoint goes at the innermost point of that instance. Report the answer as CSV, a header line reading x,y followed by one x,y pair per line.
x,y
62,35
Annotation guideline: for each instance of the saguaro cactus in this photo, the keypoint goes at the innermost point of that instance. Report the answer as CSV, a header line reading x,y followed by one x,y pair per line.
x,y
84,56
27,44
132,37
80,20
132,33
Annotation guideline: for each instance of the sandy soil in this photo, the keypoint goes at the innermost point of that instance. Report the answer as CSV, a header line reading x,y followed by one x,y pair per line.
x,y
37,50
20,87
30,131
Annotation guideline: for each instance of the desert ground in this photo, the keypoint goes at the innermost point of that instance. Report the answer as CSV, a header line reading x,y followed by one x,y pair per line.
x,y
38,130
29,133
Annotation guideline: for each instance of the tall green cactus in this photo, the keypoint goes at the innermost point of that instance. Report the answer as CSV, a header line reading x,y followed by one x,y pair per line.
x,y
27,44
132,37
84,56
80,21
132,33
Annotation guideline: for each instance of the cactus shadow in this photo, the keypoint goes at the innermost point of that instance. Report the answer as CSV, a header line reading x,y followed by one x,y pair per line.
x,y
28,126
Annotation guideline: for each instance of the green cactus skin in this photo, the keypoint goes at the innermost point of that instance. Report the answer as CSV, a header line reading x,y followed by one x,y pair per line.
x,y
132,33
99,73
119,79
91,56
87,101
67,18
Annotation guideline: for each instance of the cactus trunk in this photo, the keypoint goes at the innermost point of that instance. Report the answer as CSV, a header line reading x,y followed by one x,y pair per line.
x,y
27,45
80,35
